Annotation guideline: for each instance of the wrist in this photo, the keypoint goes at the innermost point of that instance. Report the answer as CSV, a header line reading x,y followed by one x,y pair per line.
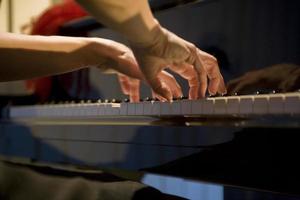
x,y
154,37
147,37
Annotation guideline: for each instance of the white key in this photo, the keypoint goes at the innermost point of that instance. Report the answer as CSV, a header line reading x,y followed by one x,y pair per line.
x,y
101,109
208,106
261,104
197,107
82,110
176,108
51,110
156,108
276,104
94,109
233,105
108,109
246,104
131,109
186,107
292,103
220,107
89,109
165,108
148,107
115,109
123,109
139,108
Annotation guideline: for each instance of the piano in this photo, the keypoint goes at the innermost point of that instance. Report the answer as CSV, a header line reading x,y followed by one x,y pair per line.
x,y
259,136
243,110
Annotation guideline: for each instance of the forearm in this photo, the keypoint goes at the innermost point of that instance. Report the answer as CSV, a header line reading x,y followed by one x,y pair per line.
x,y
25,57
132,18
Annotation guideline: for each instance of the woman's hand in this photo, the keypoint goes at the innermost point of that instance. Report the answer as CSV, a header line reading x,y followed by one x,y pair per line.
x,y
119,59
170,51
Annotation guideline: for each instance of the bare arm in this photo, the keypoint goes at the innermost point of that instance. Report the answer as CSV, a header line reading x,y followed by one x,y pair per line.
x,y
156,49
25,57
132,18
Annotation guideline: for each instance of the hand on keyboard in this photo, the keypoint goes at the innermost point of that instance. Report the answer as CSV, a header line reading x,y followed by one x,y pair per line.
x,y
130,87
170,51
120,59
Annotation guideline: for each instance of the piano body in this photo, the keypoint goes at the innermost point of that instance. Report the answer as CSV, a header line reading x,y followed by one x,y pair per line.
x,y
247,141
242,141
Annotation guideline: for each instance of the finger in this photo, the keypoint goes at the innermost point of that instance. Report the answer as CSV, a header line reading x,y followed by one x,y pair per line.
x,y
124,83
189,73
203,83
134,90
202,75
156,96
172,84
160,88
222,87
195,60
126,63
211,66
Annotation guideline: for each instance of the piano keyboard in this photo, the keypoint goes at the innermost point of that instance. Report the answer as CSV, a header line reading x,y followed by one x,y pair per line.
x,y
270,104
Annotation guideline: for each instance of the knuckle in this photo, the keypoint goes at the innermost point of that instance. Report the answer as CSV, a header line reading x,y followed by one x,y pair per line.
x,y
193,48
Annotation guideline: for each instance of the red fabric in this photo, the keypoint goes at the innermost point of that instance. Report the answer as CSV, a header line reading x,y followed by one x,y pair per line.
x,y
48,24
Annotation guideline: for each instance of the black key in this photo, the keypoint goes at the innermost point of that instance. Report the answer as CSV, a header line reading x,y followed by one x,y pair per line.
x,y
116,101
183,97
148,99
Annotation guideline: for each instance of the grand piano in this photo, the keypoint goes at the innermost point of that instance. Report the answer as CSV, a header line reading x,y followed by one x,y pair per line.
x,y
247,144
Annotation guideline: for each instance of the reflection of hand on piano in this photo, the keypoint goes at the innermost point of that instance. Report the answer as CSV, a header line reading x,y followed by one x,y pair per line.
x,y
281,78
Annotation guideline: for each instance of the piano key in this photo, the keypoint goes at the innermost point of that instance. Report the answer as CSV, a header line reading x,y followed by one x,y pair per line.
x,y
291,103
276,103
220,106
156,108
176,108
233,105
88,109
197,107
261,104
108,109
208,106
186,107
123,108
115,109
131,109
100,109
139,108
246,104
165,108
148,107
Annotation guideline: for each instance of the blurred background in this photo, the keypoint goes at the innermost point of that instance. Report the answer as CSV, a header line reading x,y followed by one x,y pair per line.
x,y
243,35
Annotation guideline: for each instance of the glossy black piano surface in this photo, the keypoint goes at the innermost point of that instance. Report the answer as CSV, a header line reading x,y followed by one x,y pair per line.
x,y
262,159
